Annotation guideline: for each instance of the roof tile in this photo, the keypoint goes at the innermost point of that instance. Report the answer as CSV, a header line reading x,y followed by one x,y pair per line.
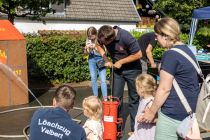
x,y
109,10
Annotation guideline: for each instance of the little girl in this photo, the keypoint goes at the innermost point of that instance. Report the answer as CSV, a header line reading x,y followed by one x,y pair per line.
x,y
94,58
93,110
146,87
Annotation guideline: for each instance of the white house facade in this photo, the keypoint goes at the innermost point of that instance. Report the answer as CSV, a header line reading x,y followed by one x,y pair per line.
x,y
28,26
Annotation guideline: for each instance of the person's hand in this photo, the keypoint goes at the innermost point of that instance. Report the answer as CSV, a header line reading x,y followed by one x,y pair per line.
x,y
117,65
153,65
147,117
86,51
91,46
108,64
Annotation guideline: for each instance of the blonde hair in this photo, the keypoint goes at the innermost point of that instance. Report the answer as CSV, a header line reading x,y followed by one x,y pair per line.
x,y
147,82
93,107
169,28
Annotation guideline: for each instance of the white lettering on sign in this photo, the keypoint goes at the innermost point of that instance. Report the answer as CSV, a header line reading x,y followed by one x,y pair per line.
x,y
108,118
51,132
46,125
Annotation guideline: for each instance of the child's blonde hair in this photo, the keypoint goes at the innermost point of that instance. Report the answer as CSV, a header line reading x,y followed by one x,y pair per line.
x,y
147,82
93,107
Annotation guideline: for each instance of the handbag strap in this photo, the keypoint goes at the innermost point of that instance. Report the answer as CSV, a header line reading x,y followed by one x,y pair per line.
x,y
182,97
176,86
195,64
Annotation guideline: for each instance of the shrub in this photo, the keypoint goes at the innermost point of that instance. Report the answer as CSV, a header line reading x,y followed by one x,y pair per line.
x,y
58,58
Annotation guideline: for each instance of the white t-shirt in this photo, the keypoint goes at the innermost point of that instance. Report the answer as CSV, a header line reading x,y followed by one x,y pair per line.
x,y
94,129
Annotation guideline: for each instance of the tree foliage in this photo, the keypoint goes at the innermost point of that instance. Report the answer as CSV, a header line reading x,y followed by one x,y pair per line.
x,y
34,9
181,10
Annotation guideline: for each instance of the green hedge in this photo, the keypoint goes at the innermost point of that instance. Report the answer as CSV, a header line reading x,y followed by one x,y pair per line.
x,y
57,58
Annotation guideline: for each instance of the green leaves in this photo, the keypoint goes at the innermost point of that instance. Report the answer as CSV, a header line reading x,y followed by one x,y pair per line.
x,y
137,34
180,10
58,58
34,9
1,2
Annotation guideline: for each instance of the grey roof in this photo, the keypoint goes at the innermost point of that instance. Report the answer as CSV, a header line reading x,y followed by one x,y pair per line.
x,y
96,10
102,10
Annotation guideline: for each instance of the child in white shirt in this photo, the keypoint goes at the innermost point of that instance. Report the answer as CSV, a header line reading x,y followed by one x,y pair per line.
x,y
93,110
146,88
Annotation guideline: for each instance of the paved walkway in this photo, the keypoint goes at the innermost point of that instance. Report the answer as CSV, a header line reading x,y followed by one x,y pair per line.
x,y
13,123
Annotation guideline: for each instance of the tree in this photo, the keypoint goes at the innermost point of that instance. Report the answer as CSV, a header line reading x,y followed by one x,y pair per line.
x,y
180,10
34,9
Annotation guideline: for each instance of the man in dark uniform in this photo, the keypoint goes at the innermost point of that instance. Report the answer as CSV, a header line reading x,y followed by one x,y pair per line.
x,y
55,123
125,53
147,42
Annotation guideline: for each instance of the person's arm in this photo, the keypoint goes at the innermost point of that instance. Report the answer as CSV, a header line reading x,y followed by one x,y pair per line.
x,y
156,115
128,59
166,81
149,56
108,63
100,50
132,46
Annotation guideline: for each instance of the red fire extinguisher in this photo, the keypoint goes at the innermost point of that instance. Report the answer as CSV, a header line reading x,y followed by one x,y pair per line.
x,y
110,118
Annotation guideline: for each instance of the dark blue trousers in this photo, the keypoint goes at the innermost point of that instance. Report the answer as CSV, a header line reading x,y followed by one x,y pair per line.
x,y
129,76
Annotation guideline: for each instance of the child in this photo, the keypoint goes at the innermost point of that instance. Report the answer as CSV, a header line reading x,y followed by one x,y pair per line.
x,y
90,40
95,63
146,87
93,110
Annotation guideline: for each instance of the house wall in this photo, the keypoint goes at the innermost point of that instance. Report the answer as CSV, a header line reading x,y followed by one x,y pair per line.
x,y
28,26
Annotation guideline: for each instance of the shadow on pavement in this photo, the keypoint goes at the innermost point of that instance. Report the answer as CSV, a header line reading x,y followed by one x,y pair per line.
x,y
13,123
